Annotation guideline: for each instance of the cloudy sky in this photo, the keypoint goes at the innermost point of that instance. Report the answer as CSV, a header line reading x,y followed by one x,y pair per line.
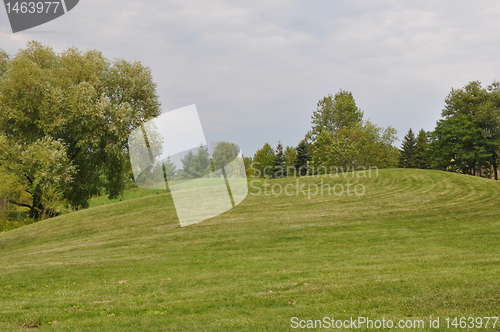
x,y
255,70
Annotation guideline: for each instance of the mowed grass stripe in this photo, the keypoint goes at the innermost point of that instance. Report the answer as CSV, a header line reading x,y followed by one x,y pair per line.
x,y
418,243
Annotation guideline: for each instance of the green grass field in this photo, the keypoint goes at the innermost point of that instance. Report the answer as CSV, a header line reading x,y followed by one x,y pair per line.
x,y
417,244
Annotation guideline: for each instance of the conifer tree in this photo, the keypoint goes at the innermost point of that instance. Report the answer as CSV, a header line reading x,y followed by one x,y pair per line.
x,y
421,147
407,156
279,163
196,165
302,158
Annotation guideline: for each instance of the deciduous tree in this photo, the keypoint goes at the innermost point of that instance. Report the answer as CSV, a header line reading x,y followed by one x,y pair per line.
x,y
366,145
42,169
335,112
224,153
264,161
290,155
85,102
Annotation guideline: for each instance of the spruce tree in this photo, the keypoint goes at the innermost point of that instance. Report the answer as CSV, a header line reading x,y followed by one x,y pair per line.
x,y
407,156
302,158
421,147
196,165
169,169
279,162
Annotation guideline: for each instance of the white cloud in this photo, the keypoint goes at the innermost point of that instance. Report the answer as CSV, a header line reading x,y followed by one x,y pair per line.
x,y
256,70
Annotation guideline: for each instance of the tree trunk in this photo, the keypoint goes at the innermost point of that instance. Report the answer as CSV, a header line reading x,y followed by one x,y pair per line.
x,y
37,208
495,167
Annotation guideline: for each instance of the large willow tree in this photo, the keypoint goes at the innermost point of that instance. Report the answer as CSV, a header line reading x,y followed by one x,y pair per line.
x,y
77,103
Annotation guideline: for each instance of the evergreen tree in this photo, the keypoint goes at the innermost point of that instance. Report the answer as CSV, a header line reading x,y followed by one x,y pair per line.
x,y
458,145
279,163
170,169
408,150
421,150
302,158
467,139
196,165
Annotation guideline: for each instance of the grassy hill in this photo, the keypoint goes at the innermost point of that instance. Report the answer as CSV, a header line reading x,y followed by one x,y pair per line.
x,y
417,244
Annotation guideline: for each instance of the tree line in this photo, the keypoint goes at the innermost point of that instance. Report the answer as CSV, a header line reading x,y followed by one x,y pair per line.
x,y
65,119
465,140
340,137
200,163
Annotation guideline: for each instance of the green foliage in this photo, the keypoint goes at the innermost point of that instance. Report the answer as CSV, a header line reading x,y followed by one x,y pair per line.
x,y
467,139
290,154
41,169
321,152
4,60
335,112
196,165
408,151
279,162
264,161
458,145
422,150
9,189
248,166
363,144
340,138
224,153
170,169
224,160
10,186
11,223
82,100
303,157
